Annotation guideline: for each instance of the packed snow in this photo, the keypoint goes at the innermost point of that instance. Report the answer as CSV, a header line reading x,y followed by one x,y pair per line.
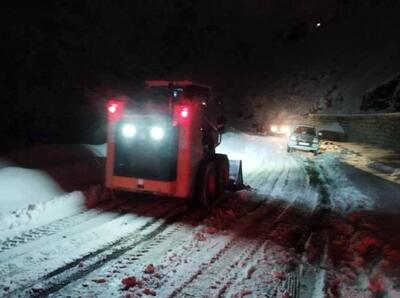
x,y
305,227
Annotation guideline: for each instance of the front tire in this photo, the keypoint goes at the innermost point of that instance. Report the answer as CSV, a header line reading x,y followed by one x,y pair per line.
x,y
222,164
206,184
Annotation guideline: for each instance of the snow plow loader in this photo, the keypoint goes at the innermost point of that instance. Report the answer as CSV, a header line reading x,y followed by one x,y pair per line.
x,y
162,141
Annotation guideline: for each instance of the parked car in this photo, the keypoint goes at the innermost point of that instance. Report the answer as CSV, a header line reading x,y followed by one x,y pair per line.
x,y
304,138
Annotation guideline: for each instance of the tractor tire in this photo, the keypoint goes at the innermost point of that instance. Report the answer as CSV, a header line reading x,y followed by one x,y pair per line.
x,y
206,185
222,164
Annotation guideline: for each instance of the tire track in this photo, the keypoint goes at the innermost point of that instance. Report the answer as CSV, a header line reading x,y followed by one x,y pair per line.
x,y
71,271
292,215
56,226
221,263
132,261
117,215
176,236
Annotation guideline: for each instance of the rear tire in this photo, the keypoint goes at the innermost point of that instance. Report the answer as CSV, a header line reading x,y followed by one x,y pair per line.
x,y
222,164
206,184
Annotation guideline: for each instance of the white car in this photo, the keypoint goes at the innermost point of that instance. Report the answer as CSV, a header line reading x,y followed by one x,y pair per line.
x,y
304,138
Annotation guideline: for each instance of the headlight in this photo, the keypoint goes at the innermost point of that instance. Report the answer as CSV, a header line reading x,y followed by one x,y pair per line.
x,y
285,129
157,133
128,130
293,138
315,141
274,128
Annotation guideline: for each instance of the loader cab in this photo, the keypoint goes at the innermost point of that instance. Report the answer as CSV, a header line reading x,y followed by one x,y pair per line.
x,y
162,141
200,98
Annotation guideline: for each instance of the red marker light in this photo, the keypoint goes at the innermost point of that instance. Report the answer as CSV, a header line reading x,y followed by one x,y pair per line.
x,y
181,114
112,108
115,109
185,112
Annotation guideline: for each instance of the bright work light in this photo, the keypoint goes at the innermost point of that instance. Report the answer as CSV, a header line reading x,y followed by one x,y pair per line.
x,y
129,130
157,133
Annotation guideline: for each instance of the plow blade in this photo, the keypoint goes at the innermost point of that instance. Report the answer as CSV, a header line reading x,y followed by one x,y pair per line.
x,y
235,174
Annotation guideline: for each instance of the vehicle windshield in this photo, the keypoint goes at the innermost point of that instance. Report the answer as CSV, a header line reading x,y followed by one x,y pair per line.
x,y
305,130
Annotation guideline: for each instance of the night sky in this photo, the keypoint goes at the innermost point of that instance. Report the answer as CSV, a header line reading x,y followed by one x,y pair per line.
x,y
64,45
59,54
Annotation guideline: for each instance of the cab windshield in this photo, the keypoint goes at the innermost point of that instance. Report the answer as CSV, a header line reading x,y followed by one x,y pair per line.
x,y
305,130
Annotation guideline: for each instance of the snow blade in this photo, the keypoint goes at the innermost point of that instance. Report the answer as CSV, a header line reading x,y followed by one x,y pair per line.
x,y
235,174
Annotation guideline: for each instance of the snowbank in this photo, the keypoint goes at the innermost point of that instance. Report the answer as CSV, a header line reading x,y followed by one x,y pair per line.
x,y
33,180
29,214
21,187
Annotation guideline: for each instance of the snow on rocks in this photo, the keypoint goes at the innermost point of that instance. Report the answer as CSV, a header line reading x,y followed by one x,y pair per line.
x,y
366,244
96,194
131,281
278,274
243,293
99,280
149,292
390,264
220,220
341,226
376,284
332,127
149,269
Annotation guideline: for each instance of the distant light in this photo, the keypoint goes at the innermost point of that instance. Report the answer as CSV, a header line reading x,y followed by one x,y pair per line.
x,y
285,129
274,128
318,25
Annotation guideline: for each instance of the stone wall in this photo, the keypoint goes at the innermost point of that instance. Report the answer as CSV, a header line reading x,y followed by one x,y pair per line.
x,y
378,129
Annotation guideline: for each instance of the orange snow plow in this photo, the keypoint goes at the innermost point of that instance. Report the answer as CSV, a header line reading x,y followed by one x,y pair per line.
x,y
162,141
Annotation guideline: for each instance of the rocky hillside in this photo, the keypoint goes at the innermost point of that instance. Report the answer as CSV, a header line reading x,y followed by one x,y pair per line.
x,y
348,65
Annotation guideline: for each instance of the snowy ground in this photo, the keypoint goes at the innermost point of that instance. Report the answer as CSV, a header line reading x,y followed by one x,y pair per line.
x,y
308,227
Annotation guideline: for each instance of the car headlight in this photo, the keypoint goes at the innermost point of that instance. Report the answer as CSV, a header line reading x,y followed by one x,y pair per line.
x,y
157,133
285,129
274,128
128,130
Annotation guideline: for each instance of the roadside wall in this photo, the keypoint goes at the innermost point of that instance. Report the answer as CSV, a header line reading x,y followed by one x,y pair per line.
x,y
378,129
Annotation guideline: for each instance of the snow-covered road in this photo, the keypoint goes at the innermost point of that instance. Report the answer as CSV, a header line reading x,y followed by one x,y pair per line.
x,y
308,227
